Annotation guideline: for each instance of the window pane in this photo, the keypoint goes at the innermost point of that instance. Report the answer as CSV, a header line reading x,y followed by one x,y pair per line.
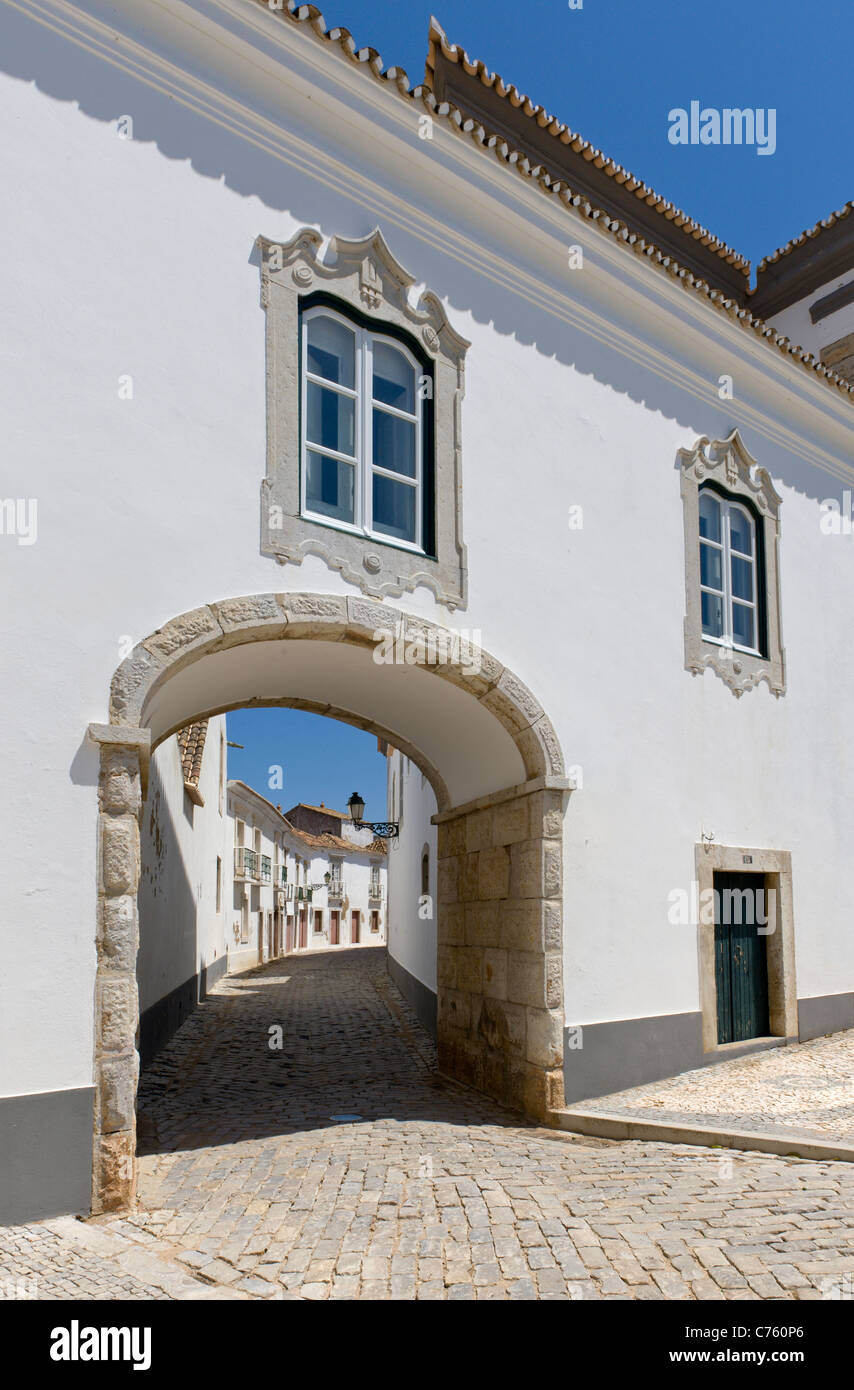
x,y
394,443
742,625
740,532
331,419
394,378
329,487
331,350
710,566
742,578
394,508
710,517
713,615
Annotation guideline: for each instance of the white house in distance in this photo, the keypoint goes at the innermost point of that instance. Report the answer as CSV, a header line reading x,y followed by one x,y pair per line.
x,y
295,890
228,883
493,452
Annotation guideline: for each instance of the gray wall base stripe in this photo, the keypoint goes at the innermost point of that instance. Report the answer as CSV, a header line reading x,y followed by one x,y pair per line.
x,y
161,1021
825,1013
421,999
46,1144
632,1052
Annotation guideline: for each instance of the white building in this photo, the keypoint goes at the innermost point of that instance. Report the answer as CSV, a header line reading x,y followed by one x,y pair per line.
x,y
296,891
185,880
544,501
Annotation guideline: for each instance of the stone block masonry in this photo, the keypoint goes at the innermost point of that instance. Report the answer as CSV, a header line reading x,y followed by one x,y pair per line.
x,y
500,1019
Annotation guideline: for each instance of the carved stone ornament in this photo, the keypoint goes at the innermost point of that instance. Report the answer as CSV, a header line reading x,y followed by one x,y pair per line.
x,y
727,463
366,279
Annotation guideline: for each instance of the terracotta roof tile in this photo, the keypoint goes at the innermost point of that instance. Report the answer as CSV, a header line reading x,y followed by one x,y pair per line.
x,y
191,745
396,78
808,235
324,810
566,136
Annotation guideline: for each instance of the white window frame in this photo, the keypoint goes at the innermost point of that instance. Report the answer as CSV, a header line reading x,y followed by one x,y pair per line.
x,y
362,462
724,546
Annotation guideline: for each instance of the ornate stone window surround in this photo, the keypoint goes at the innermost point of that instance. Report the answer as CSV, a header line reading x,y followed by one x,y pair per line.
x,y
364,283
726,467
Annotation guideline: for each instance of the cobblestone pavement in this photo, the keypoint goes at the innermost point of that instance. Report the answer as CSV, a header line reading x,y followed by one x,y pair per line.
x,y
435,1192
70,1259
417,1188
805,1090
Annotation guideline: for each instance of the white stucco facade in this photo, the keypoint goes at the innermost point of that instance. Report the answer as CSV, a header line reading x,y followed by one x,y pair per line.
x,y
412,892
185,853
139,347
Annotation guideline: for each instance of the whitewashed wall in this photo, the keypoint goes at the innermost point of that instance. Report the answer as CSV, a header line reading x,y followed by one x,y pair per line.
x,y
412,933
180,929
797,325
260,898
579,392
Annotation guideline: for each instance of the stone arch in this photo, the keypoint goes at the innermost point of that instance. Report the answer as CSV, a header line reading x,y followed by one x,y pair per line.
x,y
478,734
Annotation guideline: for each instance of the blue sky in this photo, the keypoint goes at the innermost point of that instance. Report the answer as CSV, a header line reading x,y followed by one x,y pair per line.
x,y
614,69
321,759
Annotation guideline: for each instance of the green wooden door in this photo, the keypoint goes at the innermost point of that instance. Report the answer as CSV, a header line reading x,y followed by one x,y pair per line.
x,y
741,963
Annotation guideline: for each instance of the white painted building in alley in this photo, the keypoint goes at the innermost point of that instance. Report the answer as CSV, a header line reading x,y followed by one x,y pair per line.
x,y
228,883
394,401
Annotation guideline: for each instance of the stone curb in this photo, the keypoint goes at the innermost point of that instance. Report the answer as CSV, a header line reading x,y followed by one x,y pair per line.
x,y
149,1268
605,1125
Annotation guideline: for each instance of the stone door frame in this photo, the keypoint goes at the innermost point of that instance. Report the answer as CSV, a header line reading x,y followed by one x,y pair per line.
x,y
500,976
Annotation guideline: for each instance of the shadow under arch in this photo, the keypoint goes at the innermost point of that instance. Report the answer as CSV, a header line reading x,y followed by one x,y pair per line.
x,y
476,731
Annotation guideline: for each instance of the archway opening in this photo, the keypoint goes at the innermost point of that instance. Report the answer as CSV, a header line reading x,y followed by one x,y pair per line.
x,y
478,737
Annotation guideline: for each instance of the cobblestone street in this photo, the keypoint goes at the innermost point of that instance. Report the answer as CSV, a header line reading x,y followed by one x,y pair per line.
x,y
341,1166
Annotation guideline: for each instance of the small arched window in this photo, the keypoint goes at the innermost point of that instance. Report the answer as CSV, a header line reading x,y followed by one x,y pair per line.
x,y
728,572
425,872
362,430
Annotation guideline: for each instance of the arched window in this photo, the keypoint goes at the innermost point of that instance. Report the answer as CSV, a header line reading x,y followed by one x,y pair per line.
x,y
425,872
362,430
728,572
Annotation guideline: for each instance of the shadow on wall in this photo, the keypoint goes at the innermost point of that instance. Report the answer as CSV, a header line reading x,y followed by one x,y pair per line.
x,y
170,984
61,70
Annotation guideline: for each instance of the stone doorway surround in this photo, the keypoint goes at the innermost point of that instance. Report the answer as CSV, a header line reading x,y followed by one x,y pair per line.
x,y
500,987
776,866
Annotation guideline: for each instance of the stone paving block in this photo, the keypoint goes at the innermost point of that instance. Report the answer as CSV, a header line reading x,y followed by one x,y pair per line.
x,y
319,1210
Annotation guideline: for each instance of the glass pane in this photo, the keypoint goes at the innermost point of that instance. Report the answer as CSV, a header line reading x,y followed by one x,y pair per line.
x,y
742,578
740,532
332,351
742,625
710,566
710,516
394,508
713,615
394,443
331,419
394,378
329,487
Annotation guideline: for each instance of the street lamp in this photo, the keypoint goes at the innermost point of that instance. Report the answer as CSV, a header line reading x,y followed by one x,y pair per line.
x,y
327,878
386,829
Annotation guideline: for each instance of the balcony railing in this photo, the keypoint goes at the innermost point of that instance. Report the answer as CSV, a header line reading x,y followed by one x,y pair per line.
x,y
375,893
245,862
281,876
266,868
336,890
304,894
